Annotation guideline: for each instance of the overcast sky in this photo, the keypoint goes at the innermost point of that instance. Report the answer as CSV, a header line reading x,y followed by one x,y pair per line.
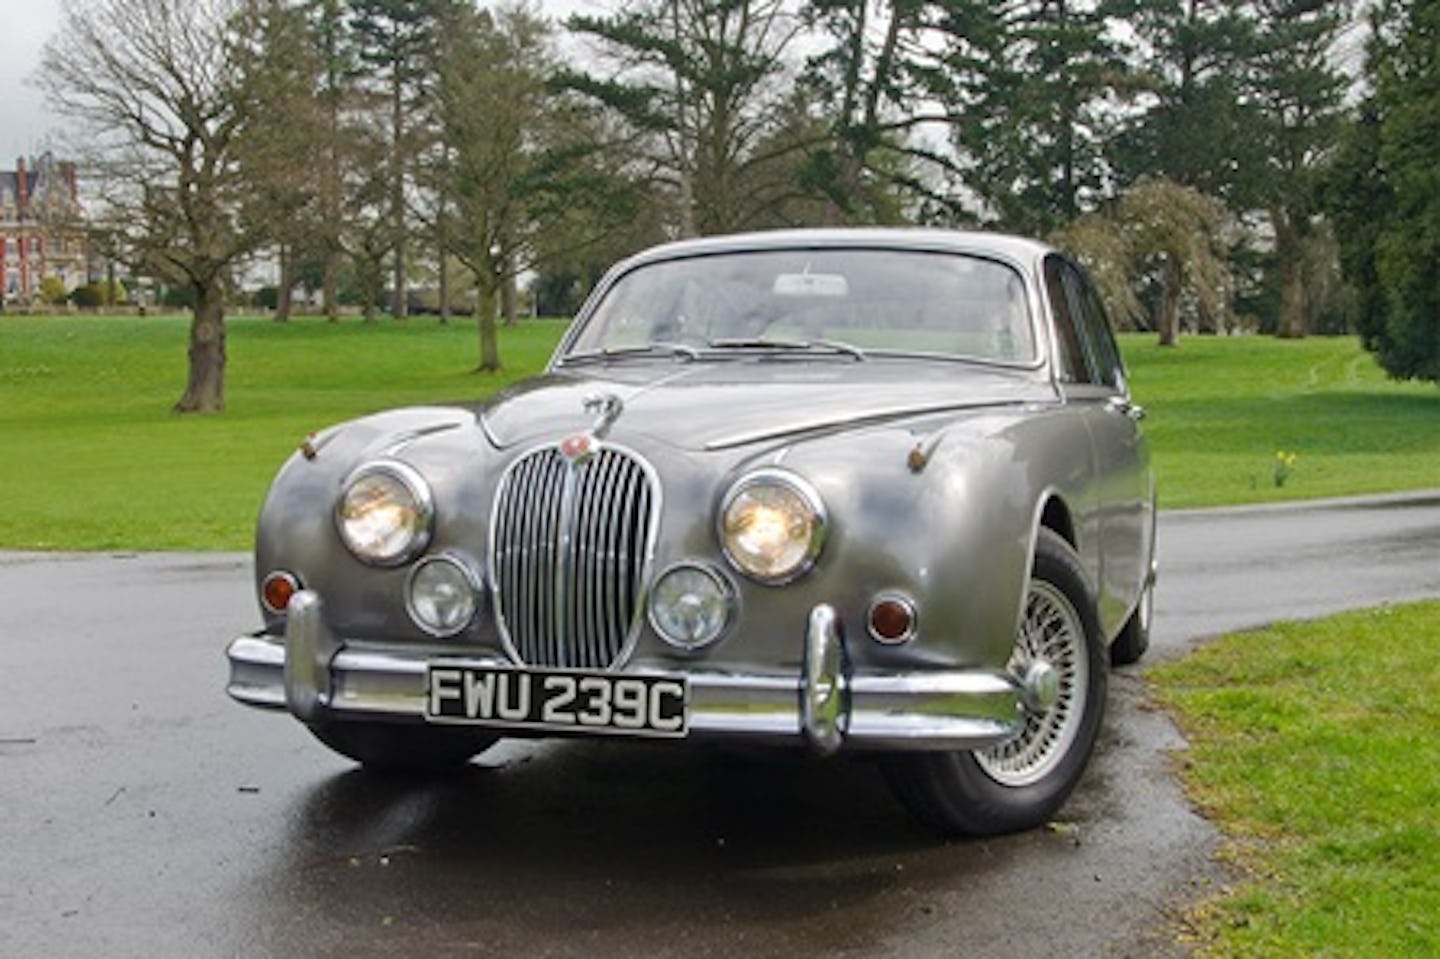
x,y
24,126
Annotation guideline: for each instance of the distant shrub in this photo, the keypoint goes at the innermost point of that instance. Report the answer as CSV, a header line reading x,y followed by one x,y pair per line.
x,y
177,297
89,296
92,295
52,291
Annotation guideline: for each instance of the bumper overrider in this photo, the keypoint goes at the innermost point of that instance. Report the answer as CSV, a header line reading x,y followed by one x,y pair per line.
x,y
317,676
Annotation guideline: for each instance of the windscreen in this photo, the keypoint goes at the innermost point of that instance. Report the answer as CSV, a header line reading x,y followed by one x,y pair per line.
x,y
875,300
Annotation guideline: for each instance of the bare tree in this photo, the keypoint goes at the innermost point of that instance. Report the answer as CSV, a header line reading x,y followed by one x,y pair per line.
x,y
163,105
521,159
283,72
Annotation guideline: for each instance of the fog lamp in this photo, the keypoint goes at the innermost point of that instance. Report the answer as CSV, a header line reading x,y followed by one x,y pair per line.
x,y
442,595
690,606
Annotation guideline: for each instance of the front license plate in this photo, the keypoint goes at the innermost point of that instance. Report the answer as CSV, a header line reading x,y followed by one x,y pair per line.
x,y
557,701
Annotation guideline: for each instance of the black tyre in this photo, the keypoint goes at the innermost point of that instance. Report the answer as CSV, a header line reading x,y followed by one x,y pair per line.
x,y
1134,637
1021,783
403,748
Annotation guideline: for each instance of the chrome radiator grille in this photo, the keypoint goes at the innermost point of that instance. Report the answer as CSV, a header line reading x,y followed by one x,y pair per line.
x,y
569,552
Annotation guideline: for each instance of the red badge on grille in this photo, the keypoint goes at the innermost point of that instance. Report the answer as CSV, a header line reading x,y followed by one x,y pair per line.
x,y
577,448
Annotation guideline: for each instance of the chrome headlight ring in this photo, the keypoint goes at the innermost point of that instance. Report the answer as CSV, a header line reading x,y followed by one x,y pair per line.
x,y
386,513
772,525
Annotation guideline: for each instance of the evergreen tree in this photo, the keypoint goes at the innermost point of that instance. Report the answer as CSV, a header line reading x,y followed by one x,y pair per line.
x,y
1385,192
1197,127
1298,86
275,52
1030,87
521,159
395,40
865,157
698,87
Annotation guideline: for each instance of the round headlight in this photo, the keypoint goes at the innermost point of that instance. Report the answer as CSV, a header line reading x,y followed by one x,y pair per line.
x,y
772,525
385,513
442,595
690,606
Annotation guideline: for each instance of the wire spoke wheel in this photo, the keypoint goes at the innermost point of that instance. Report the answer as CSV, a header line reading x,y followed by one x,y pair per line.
x,y
1052,633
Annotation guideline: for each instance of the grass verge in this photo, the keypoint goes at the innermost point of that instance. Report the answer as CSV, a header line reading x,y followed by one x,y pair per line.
x,y
1316,748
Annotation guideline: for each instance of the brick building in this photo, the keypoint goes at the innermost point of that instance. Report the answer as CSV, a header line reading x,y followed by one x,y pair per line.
x,y
40,228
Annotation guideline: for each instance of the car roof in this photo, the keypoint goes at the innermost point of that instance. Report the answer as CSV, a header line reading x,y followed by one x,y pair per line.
x,y
1017,249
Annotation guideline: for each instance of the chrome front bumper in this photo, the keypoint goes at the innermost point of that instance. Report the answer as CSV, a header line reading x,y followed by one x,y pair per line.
x,y
314,675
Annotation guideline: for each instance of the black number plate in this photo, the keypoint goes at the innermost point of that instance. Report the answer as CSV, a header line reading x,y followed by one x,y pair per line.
x,y
557,700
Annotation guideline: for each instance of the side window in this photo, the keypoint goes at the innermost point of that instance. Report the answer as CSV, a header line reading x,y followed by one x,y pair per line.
x,y
1095,334
1104,336
1073,368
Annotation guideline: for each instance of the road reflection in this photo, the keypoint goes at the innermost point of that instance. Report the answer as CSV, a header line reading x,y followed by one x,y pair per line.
x,y
645,847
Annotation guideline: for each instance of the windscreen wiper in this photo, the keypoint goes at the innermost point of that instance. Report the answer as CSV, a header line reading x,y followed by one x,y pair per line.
x,y
658,348
761,343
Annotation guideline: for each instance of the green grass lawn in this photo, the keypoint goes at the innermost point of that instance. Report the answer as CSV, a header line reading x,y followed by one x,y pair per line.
x,y
1316,747
1222,408
92,458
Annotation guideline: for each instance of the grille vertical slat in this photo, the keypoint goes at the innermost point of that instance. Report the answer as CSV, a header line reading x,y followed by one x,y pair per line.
x,y
569,552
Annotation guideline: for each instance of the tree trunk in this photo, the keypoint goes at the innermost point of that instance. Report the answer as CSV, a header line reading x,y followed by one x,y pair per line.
x,y
444,283
330,285
1290,251
398,304
1294,298
370,278
1168,319
486,296
205,392
510,294
283,297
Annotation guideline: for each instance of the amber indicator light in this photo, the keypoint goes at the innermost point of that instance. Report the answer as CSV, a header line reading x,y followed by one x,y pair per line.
x,y
276,591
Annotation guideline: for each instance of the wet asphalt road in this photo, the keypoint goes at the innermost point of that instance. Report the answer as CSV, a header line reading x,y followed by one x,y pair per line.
x,y
142,814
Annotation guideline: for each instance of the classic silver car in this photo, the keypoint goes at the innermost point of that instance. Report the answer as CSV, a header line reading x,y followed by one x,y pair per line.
x,y
856,490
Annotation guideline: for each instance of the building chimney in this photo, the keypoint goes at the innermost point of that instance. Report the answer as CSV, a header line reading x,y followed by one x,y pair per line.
x,y
22,187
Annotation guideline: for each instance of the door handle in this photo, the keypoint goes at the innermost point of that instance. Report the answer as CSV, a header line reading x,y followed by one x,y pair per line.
x,y
1123,406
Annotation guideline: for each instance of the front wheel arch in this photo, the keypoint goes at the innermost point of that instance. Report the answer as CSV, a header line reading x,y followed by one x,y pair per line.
x,y
1019,784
